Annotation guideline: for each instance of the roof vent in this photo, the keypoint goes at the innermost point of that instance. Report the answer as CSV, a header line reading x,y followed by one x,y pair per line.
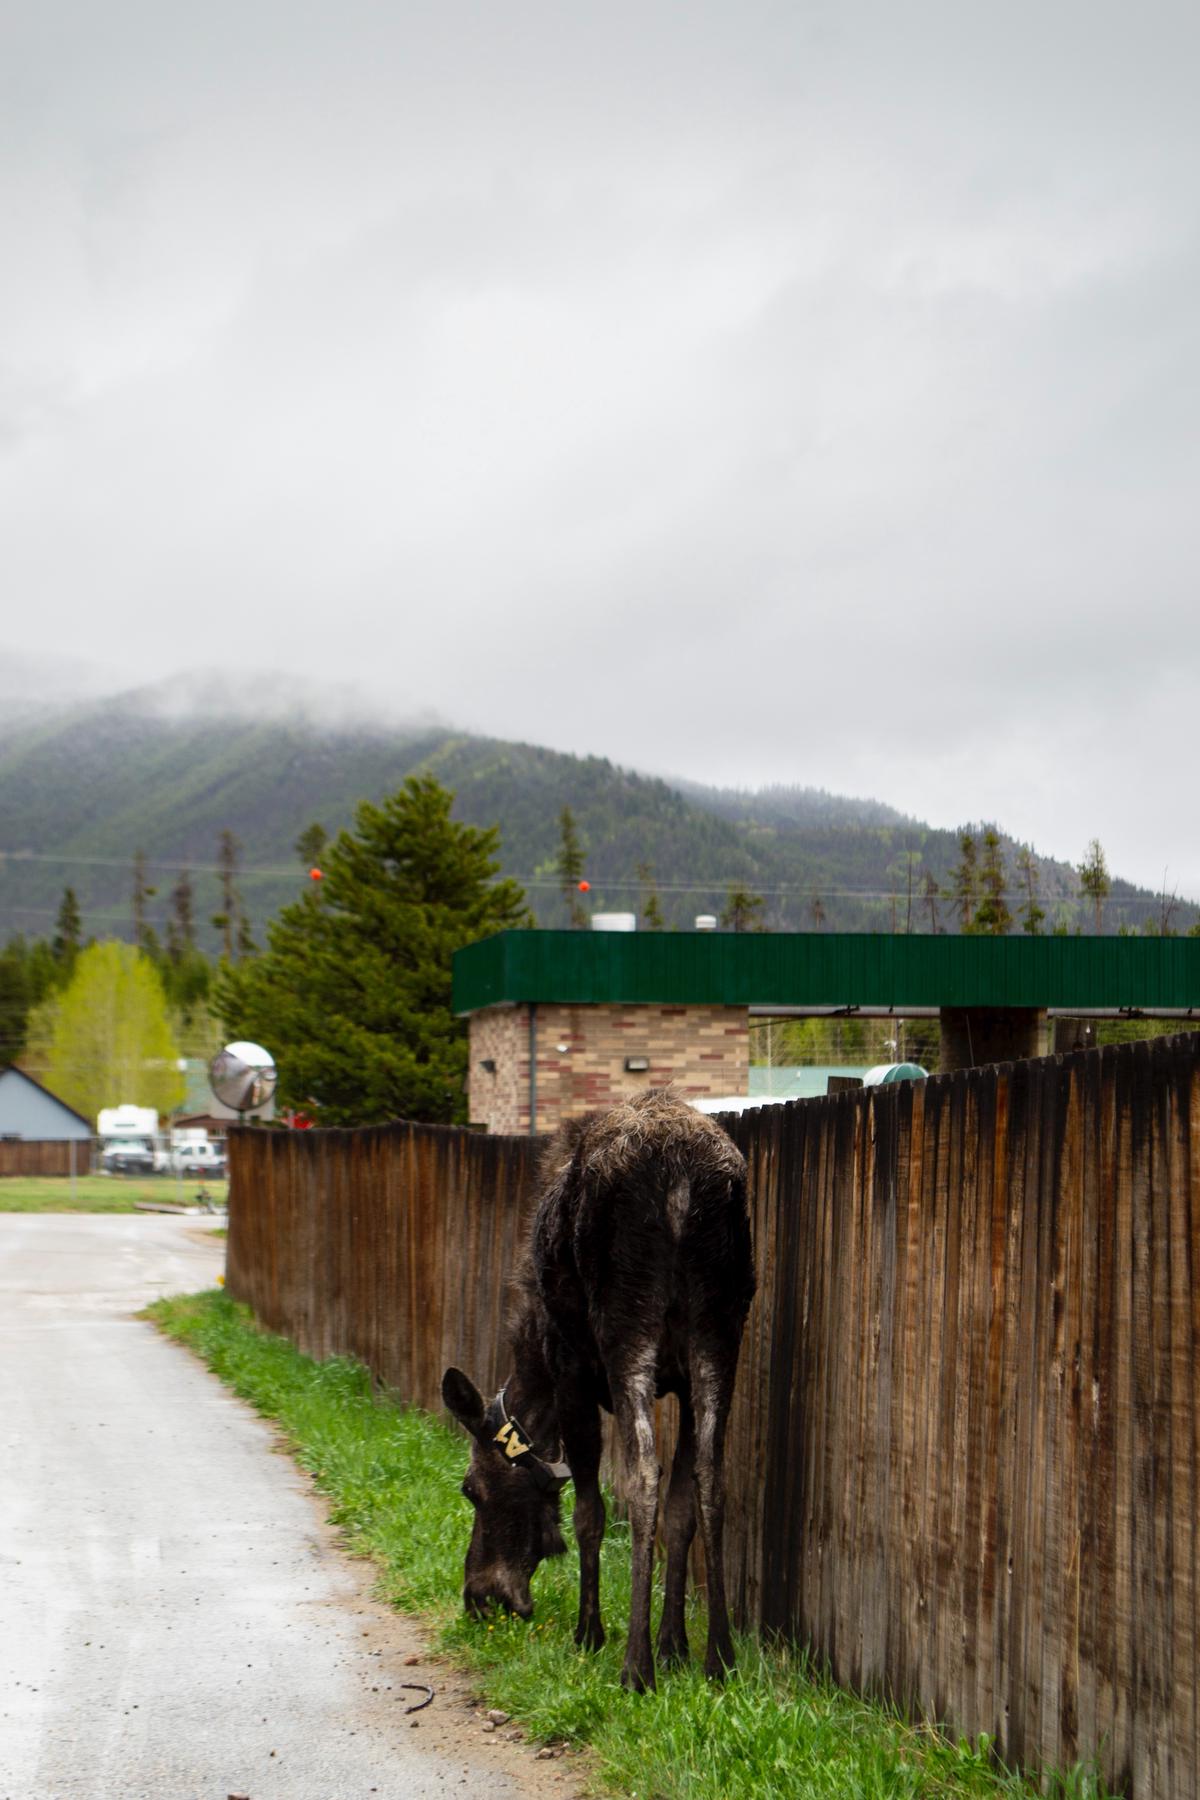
x,y
614,921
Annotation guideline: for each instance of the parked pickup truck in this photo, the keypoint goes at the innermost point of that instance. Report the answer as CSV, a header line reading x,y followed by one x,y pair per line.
x,y
127,1156
199,1158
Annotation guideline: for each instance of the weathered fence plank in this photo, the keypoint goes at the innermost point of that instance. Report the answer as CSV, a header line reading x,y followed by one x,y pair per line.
x,y
965,1443
45,1156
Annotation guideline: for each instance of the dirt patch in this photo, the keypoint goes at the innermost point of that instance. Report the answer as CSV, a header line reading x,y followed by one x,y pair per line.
x,y
393,1649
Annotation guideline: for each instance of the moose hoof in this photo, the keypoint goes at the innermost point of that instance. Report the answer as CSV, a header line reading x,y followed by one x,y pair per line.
x,y
638,1681
673,1652
718,1666
590,1636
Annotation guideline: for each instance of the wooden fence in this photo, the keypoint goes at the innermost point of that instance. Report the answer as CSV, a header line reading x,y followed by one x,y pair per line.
x,y
50,1156
963,1455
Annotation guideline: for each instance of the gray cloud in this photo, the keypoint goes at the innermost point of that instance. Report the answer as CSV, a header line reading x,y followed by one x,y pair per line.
x,y
757,393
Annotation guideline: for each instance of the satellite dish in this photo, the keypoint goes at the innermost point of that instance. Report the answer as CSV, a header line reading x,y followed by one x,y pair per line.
x,y
243,1076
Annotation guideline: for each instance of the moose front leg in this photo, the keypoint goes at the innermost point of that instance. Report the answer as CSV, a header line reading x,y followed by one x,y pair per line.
x,y
582,1446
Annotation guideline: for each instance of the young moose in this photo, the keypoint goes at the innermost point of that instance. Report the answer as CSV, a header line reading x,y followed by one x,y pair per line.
x,y
636,1283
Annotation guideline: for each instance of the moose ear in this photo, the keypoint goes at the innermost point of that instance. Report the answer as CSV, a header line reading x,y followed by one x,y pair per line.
x,y
463,1399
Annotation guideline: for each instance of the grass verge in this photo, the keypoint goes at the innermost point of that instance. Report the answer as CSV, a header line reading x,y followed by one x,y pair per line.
x,y
778,1728
98,1193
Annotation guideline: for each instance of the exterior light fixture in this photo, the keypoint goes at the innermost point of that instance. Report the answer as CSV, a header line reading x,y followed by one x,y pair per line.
x,y
637,1065
489,1063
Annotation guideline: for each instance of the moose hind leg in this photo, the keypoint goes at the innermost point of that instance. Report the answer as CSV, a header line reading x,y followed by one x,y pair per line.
x,y
634,1408
680,1530
712,1392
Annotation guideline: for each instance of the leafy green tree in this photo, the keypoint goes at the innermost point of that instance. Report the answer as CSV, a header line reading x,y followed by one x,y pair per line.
x,y
992,916
1095,881
930,895
352,995
569,865
106,1040
1031,914
742,910
68,930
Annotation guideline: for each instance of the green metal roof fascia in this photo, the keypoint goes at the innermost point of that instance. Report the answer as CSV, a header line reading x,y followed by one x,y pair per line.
x,y
824,969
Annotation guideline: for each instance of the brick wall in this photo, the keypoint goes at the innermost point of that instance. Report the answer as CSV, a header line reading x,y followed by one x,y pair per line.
x,y
699,1049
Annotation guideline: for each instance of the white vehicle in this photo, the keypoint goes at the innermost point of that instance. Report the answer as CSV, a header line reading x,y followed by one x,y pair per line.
x,y
114,1122
194,1153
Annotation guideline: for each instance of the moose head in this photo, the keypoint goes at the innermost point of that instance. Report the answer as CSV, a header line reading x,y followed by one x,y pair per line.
x,y
515,1494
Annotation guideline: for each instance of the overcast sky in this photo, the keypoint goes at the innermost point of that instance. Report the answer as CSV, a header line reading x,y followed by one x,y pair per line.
x,y
752,392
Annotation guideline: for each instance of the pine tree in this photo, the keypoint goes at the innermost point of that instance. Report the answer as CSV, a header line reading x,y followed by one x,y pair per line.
x,y
993,917
1095,881
186,973
181,926
352,996
309,845
569,865
144,935
231,921
964,890
1031,913
931,894
651,906
68,929
15,1001
742,910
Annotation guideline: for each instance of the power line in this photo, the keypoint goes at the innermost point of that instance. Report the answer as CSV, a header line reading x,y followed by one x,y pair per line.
x,y
614,883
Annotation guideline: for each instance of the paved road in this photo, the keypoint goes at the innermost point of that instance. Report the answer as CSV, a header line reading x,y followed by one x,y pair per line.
x,y
176,1622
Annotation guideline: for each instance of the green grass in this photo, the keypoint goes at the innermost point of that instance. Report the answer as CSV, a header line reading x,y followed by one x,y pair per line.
x,y
99,1193
778,1728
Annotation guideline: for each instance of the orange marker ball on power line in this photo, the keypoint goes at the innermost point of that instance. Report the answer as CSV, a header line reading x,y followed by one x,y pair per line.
x,y
585,887
316,875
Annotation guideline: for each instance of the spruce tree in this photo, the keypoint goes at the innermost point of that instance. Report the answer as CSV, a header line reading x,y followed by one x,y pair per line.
x,y
569,866
144,935
992,916
1031,913
742,910
1095,881
68,929
651,905
310,843
353,995
964,889
232,921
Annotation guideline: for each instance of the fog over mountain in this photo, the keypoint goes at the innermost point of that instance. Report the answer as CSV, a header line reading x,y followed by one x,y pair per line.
x,y
166,769
757,394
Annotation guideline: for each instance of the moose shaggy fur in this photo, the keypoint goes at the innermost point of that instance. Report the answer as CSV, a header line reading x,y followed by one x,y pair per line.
x,y
636,1283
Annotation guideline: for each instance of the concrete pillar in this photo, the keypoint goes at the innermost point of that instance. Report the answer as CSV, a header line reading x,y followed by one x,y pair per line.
x,y
972,1035
1074,1034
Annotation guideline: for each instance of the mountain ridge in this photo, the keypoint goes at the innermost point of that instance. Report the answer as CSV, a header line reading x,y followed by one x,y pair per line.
x,y
85,787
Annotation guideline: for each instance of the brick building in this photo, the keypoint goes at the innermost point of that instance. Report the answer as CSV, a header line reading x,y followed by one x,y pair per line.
x,y
563,1021
587,1056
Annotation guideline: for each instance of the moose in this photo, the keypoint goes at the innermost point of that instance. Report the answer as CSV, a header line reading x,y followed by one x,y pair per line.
x,y
635,1282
